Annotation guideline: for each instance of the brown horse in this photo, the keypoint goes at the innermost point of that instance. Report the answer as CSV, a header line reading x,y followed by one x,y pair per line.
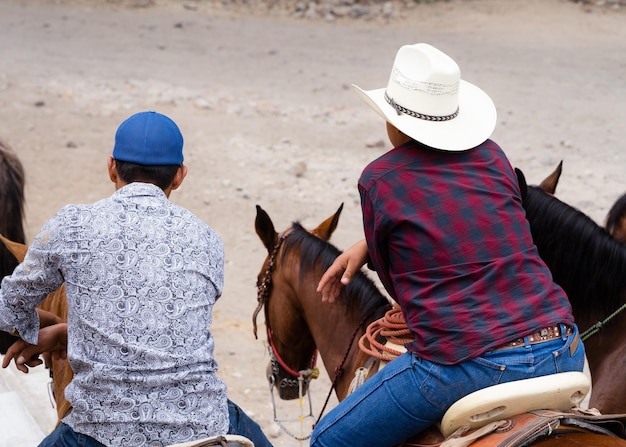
x,y
290,279
11,217
56,303
298,325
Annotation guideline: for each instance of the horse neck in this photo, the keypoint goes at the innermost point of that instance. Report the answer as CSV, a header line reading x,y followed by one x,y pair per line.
x,y
584,259
335,327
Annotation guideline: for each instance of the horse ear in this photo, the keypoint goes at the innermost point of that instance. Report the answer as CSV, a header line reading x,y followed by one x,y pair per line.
x,y
326,228
549,183
265,229
521,180
18,250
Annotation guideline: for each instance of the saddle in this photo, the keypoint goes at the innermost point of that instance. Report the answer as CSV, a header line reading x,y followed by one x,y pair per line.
x,y
526,428
512,414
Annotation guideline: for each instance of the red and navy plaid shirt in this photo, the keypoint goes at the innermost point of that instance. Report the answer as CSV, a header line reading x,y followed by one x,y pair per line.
x,y
448,237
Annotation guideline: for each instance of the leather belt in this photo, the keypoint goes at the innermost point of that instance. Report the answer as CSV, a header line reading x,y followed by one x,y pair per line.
x,y
545,334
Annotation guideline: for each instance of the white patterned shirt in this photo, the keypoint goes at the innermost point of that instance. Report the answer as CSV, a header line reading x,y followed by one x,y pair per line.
x,y
142,276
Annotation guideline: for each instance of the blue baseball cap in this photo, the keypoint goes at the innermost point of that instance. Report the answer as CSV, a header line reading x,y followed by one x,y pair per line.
x,y
149,138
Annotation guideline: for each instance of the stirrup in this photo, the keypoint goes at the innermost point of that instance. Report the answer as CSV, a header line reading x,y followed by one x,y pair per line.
x,y
220,440
560,391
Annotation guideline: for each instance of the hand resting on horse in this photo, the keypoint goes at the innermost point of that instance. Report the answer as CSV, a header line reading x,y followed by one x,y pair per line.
x,y
342,270
52,342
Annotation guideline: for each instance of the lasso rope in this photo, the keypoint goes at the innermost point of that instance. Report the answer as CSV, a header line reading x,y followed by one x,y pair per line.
x,y
597,327
391,327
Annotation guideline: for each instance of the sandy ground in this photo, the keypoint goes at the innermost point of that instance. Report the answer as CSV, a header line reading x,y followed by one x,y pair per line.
x,y
268,117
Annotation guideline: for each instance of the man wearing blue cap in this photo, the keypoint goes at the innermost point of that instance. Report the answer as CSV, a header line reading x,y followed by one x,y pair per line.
x,y
142,276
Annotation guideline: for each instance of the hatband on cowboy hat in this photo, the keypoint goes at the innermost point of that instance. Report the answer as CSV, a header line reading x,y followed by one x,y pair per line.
x,y
427,100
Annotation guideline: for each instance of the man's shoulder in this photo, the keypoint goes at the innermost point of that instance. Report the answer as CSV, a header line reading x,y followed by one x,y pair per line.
x,y
201,226
385,164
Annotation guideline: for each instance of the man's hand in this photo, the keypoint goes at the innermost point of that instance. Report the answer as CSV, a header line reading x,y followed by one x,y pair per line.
x,y
342,270
52,341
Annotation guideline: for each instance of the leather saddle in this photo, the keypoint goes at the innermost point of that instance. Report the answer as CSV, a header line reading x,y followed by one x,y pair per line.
x,y
514,414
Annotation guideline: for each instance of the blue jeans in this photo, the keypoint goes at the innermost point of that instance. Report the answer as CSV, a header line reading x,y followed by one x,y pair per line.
x,y
240,424
410,393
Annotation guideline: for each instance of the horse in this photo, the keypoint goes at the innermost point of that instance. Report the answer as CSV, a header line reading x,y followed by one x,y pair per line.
x,y
12,182
297,337
298,326
590,265
56,303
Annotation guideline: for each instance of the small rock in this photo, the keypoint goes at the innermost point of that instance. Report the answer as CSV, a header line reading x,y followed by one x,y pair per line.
x,y
375,143
299,169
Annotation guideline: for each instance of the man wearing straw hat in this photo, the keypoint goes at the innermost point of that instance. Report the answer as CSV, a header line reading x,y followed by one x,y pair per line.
x,y
446,232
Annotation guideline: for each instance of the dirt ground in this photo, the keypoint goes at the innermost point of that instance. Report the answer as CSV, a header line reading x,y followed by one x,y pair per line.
x,y
269,118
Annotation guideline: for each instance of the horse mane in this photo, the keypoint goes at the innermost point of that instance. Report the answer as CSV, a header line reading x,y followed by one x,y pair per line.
x,y
11,205
11,217
365,299
585,260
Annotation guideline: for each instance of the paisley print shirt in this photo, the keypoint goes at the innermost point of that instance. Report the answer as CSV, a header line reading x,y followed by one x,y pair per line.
x,y
142,276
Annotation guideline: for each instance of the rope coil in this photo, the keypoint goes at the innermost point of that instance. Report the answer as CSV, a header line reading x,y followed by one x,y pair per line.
x,y
393,329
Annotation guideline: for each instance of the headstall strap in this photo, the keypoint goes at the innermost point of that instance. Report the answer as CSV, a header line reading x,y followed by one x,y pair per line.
x,y
263,294
264,289
302,377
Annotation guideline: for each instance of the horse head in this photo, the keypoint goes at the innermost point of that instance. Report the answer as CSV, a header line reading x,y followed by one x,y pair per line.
x,y
292,348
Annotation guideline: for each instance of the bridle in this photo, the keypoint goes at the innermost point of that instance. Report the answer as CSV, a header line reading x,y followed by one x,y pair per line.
x,y
263,294
291,379
301,378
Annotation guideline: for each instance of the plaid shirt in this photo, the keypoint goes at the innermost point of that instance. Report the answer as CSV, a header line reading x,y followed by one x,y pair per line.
x,y
448,237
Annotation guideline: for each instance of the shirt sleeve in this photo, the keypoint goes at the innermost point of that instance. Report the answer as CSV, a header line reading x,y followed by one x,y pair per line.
x,y
24,290
378,259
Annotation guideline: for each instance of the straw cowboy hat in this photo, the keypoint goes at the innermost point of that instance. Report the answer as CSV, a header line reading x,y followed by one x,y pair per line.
x,y
427,100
